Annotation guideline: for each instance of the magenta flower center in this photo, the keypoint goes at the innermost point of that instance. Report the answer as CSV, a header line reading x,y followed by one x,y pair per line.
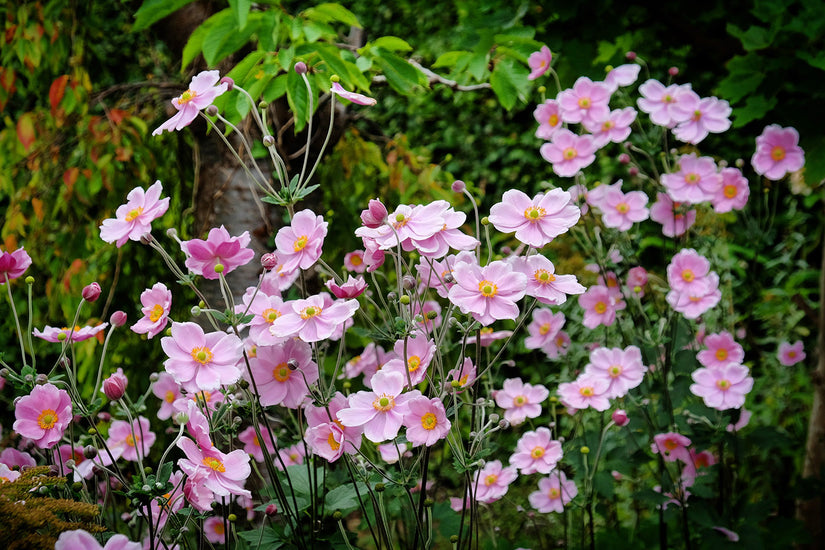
x,y
282,372
520,401
778,153
586,391
721,354
214,463
310,311
554,493
544,277
334,445
413,363
584,102
134,213
187,96
570,153
270,314
534,214
537,452
600,307
429,421
202,355
544,329
688,276
384,403
300,243
729,191
487,289
622,208
723,384
490,479
156,313
692,178
615,371
47,419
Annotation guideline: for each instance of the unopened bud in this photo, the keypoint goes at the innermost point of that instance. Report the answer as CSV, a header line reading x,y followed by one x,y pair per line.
x,y
268,140
269,261
232,518
458,186
503,424
172,233
89,452
633,171
585,450
41,379
211,110
29,280
271,510
404,299
181,418
673,71
379,487
408,282
91,292
485,221
218,268
624,158
301,67
620,417
292,364
118,318
630,56
374,215
229,82
195,311
115,386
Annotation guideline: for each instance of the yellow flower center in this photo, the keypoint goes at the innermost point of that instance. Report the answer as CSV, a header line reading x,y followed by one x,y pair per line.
x,y
570,153
622,208
170,396
156,313
730,191
413,363
600,307
282,372
586,391
132,440
607,125
721,354
134,213
692,178
463,380
214,463
671,445
201,396
688,276
520,401
490,479
47,419
544,329
270,314
667,99
584,102
723,384
429,421
310,311
218,528
614,371
697,114
334,445
534,214
543,276
553,120
299,243
384,403
554,493
487,289
202,355
791,355
356,260
187,96
537,452
778,153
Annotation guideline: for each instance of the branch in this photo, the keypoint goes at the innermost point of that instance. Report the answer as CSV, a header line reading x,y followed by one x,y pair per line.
x,y
433,78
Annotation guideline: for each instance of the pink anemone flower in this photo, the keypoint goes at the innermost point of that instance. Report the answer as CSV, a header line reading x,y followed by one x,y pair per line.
x,y
358,99
43,415
202,91
519,400
673,219
489,293
299,244
555,491
791,354
13,264
722,388
83,540
218,248
380,411
569,153
536,221
536,452
539,62
426,421
77,334
311,320
777,152
134,219
200,361
157,303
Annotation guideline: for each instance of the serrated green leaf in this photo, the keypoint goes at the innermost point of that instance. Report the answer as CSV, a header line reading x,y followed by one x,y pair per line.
x,y
402,76
755,108
285,58
344,498
509,82
817,61
332,12
240,9
755,38
392,43
152,11
298,97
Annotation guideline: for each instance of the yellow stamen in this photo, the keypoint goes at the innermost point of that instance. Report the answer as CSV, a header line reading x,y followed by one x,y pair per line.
x,y
202,355
429,421
47,419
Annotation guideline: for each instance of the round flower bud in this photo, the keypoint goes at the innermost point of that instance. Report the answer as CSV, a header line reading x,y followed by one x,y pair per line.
x,y
335,78
404,299
633,171
337,515
268,140
228,81
115,386
218,268
232,518
630,56
408,282
379,487
172,233
41,379
301,67
269,261
118,318
485,221
195,311
181,418
673,71
624,158
271,510
585,450
91,292
29,280
620,417
61,336
146,239
211,110
541,89
458,186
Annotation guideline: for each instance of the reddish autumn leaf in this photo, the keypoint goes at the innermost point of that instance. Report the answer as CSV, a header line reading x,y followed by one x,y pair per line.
x,y
7,78
70,177
117,116
56,91
37,206
74,270
25,130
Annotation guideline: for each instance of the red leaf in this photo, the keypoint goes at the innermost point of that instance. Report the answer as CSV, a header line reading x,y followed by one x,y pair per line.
x,y
7,77
25,131
56,91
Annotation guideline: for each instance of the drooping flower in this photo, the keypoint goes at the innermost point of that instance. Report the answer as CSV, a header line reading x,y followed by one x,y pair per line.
x,y
157,303
43,415
299,244
588,390
539,62
134,219
489,293
569,153
13,264
696,181
520,400
734,192
668,213
426,421
311,320
492,481
203,90
791,354
536,221
380,411
200,361
722,350
622,368
326,440
722,388
352,288
555,491
586,100
77,334
543,283
708,115
218,248
536,452
358,99
777,152
283,373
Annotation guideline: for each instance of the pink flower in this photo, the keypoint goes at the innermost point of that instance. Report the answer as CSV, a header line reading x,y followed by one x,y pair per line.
x,y
536,221
449,236
317,416
586,100
672,446
218,248
722,388
437,274
542,281
418,352
734,192
214,530
7,475
744,419
115,386
777,152
83,540
623,369
392,452
636,280
202,91
696,181
688,272
490,293
299,244
623,75
691,304
128,440
665,105
487,336
133,220
791,354
13,264
539,62
353,288
11,457
548,115
91,292
291,456
595,197
614,127
368,362
358,99
43,415
588,390
666,212
78,334
730,535
536,452
462,377
252,444
326,440
709,115
265,308
157,303
426,421
283,373
354,261
722,350
619,417
543,328
311,320
569,153
200,361
622,210
222,474
381,411
168,391
374,215
520,401
555,491
599,306
492,481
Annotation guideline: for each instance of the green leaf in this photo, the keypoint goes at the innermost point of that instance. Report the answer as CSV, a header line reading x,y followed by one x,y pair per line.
x,y
240,9
392,43
817,61
275,89
332,57
313,30
152,11
298,97
755,38
509,82
746,74
332,12
285,58
344,498
755,108
402,76
450,59
224,37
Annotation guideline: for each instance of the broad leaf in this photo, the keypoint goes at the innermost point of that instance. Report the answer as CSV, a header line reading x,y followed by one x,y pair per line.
x,y
152,11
